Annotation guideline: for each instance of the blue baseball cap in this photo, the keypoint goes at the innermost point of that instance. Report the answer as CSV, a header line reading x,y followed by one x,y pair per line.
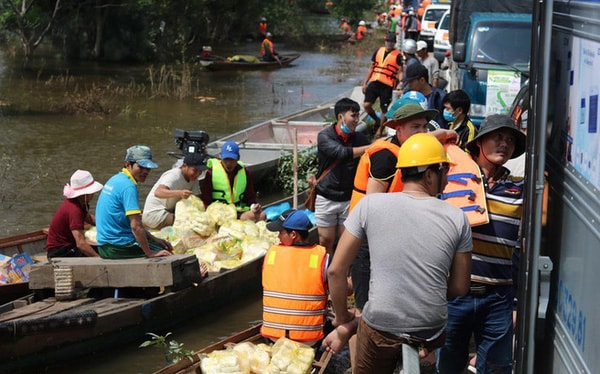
x,y
142,155
297,220
230,149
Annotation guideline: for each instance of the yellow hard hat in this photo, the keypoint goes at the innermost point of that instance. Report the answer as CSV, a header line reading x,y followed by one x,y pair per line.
x,y
421,150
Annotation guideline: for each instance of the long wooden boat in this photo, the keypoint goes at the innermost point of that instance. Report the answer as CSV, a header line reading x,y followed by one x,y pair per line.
x,y
219,63
261,145
192,363
36,332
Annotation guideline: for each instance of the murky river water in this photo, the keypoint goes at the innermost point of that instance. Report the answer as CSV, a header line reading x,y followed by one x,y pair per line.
x,y
39,150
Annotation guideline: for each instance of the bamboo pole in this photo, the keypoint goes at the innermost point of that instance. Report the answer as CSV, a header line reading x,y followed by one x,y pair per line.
x,y
295,198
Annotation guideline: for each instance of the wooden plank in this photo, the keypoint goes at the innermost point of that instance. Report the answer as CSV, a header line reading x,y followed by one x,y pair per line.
x,y
42,309
175,271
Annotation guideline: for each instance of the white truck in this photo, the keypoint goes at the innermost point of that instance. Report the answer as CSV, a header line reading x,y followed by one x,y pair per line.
x,y
558,328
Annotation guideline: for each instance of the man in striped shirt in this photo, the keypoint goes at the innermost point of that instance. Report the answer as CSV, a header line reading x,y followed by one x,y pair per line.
x,y
486,312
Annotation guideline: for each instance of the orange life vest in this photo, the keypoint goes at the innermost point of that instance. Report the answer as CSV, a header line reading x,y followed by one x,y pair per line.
x,y
465,189
386,68
361,32
361,178
262,28
345,27
266,51
294,293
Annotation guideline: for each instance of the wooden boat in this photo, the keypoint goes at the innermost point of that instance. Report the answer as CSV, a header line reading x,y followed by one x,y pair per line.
x,y
34,244
36,332
261,145
217,63
252,334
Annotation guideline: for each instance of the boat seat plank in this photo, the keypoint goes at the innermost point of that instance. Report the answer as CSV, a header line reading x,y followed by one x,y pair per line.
x,y
42,309
176,271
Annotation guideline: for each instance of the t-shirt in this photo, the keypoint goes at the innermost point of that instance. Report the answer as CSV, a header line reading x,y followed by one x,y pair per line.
x,y
117,201
68,217
383,163
412,241
156,209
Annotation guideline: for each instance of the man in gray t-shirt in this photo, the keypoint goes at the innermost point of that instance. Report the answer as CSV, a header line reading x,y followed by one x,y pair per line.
x,y
420,250
172,186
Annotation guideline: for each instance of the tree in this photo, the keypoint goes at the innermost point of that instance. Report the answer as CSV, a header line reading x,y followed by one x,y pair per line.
x,y
352,9
30,21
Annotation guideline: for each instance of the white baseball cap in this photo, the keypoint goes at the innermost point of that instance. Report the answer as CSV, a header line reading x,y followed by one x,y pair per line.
x,y
421,45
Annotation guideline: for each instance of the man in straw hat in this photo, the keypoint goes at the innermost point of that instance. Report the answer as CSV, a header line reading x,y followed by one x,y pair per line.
x,y
487,311
66,235
417,262
121,233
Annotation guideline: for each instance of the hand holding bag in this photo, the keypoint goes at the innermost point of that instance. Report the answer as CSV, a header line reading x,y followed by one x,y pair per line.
x,y
312,182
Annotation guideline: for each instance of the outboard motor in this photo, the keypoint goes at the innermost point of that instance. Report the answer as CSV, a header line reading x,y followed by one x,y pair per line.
x,y
190,142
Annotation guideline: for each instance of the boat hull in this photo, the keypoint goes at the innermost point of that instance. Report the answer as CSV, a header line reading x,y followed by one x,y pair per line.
x,y
226,65
48,332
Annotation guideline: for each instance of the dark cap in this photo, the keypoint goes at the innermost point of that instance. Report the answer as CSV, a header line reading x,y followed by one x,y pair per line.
x,y
416,71
277,224
390,37
496,122
196,160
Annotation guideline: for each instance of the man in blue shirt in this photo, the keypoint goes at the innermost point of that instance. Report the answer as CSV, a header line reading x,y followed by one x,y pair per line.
x,y
119,216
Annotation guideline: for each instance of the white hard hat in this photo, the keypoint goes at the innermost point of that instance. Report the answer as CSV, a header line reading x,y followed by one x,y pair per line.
x,y
409,46
361,23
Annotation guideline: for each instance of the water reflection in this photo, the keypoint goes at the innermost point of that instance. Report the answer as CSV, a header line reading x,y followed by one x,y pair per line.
x,y
39,150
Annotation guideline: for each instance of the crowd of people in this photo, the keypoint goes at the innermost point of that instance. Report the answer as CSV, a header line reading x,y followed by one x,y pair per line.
x,y
421,273
123,229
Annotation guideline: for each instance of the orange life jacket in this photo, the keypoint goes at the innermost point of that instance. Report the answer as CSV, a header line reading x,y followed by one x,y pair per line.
x,y
262,28
361,32
361,178
386,69
294,293
465,189
269,48
345,27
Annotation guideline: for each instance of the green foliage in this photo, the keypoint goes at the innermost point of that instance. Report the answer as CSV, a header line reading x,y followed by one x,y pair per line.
x,y
162,30
307,166
173,350
353,9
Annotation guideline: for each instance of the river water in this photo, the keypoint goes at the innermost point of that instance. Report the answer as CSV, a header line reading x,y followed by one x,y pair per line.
x,y
40,149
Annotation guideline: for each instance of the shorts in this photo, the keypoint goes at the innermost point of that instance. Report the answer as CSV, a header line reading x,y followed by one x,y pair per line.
x,y
379,90
329,213
132,250
66,252
361,274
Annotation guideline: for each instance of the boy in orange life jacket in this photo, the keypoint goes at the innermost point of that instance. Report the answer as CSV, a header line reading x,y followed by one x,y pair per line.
x,y
294,282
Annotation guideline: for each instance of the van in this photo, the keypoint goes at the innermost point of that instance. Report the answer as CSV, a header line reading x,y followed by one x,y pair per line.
x,y
441,40
432,15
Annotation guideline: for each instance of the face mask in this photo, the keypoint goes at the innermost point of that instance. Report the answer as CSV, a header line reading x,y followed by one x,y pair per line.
x,y
345,129
448,116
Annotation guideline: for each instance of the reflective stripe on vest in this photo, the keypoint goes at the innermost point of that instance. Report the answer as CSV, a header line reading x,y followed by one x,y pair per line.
x,y
294,293
363,174
386,69
465,189
222,187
